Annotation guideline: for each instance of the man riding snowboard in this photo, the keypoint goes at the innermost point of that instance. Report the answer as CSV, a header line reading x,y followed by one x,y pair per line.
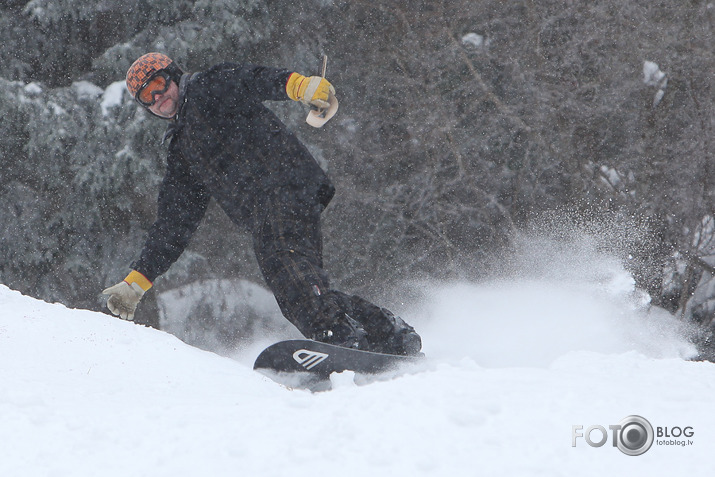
x,y
226,145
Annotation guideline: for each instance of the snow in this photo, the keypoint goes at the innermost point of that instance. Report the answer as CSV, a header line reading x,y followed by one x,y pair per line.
x,y
238,302
612,176
112,96
33,89
473,39
87,90
512,365
653,76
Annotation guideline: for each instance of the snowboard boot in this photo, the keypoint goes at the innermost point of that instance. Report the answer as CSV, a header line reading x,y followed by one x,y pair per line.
x,y
341,331
394,336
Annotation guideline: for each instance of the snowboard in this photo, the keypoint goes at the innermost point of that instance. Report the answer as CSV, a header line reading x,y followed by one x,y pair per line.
x,y
308,363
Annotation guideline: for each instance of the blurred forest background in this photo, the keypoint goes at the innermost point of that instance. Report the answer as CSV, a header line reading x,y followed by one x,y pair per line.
x,y
462,124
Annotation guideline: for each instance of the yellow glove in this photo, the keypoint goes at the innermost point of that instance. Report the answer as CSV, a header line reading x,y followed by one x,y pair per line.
x,y
311,90
125,295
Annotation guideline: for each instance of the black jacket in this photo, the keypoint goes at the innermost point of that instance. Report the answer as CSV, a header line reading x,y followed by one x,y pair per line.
x,y
227,145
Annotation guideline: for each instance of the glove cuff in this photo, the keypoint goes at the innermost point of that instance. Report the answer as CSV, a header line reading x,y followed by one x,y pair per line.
x,y
293,86
141,281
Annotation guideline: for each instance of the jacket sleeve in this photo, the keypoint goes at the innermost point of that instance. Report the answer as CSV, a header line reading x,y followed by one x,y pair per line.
x,y
265,83
181,206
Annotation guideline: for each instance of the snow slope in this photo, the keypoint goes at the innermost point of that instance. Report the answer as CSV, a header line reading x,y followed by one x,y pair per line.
x,y
513,365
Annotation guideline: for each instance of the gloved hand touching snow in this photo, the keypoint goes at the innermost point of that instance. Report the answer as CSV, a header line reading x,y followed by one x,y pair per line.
x,y
125,295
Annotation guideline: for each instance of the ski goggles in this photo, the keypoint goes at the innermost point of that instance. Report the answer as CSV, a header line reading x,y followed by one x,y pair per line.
x,y
157,84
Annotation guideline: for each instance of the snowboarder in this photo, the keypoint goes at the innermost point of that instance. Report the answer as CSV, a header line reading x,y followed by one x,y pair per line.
x,y
226,145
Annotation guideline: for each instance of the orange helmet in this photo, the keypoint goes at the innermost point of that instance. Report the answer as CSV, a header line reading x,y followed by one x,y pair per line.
x,y
144,68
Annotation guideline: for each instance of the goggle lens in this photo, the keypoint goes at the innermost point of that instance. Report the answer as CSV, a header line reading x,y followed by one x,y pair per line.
x,y
154,86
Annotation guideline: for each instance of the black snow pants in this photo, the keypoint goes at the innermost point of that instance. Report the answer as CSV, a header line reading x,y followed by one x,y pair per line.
x,y
288,244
